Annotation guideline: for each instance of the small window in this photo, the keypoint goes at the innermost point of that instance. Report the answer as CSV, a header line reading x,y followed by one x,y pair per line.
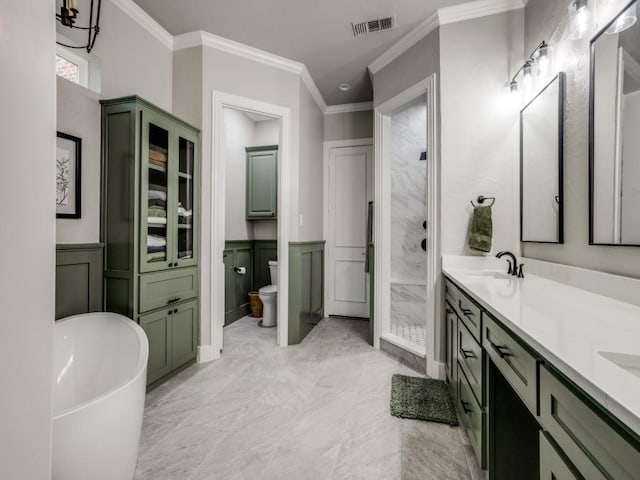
x,y
67,69
72,66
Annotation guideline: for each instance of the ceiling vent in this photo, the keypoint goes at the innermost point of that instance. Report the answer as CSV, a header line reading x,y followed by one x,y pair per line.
x,y
370,26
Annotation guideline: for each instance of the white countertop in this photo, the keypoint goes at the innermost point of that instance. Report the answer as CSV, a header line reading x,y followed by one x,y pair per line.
x,y
569,327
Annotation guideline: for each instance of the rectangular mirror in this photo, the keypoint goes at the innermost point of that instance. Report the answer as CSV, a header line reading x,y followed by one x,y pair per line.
x,y
541,162
614,147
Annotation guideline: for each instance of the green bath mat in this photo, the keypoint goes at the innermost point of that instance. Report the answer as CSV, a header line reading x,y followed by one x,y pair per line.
x,y
422,399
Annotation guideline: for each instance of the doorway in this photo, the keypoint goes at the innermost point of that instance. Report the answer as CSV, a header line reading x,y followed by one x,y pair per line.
x,y
214,312
406,226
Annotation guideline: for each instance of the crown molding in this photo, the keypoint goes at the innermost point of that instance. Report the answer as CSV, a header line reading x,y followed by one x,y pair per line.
x,y
477,9
145,20
405,43
306,78
348,107
444,16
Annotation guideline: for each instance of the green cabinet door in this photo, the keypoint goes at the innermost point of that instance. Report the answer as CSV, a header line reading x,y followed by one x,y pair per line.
x,y
243,282
229,287
262,182
184,333
157,326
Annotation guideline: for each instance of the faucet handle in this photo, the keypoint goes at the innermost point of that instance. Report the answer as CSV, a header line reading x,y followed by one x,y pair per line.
x,y
512,268
520,271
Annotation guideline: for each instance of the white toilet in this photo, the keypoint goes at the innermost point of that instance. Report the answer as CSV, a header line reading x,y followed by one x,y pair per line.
x,y
269,298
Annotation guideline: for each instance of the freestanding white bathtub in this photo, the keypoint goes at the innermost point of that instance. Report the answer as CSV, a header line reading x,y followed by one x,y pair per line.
x,y
100,372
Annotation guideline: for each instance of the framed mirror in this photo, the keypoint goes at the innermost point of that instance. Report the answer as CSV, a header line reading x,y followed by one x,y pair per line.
x,y
614,132
541,165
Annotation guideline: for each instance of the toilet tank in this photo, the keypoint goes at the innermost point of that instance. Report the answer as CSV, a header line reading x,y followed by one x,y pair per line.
x,y
273,272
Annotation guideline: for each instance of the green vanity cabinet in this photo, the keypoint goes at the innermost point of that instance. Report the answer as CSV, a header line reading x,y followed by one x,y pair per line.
x,y
262,183
522,414
150,205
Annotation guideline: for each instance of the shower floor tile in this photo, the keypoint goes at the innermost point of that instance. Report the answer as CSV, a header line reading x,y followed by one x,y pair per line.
x,y
413,333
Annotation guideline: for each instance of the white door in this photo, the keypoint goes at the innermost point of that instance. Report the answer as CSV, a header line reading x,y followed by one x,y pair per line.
x,y
350,190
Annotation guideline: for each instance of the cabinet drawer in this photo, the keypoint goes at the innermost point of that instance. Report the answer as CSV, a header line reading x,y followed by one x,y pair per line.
x,y
517,365
552,465
592,445
466,309
470,358
166,288
472,415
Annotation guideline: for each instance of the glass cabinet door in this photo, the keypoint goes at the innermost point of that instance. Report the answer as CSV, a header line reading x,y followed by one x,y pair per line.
x,y
186,236
156,244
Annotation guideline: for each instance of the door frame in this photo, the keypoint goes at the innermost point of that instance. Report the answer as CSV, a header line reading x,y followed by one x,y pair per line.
x,y
215,315
382,218
326,224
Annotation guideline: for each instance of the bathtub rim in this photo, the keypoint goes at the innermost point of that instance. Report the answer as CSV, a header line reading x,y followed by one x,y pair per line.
x,y
141,365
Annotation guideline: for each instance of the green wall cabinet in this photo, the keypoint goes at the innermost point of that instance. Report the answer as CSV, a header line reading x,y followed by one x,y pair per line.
x,y
262,182
150,227
78,279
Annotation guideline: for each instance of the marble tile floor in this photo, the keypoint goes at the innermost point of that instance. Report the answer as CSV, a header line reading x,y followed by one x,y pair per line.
x,y
414,333
318,410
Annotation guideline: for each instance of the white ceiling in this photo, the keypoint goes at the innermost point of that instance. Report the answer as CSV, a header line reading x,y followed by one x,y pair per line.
x,y
314,32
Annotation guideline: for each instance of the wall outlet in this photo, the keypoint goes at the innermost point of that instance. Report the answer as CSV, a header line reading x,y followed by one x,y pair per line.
x,y
301,220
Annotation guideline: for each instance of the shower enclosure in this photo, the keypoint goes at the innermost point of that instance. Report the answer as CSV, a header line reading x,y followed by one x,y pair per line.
x,y
408,229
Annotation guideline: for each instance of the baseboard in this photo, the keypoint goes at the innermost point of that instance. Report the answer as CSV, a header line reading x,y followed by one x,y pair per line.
x,y
437,370
206,353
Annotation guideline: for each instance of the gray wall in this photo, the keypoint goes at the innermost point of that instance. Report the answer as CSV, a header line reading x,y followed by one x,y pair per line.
x,y
310,193
132,62
27,243
480,132
348,126
417,63
187,85
78,113
547,19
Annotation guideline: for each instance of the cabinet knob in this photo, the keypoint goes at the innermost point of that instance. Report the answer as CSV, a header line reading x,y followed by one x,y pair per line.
x,y
175,310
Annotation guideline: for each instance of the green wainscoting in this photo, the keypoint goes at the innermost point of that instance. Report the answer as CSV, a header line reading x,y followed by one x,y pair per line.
x,y
237,253
264,251
306,288
78,278
372,291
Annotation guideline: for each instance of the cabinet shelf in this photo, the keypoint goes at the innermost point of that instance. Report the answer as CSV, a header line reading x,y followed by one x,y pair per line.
x,y
186,226
157,168
185,176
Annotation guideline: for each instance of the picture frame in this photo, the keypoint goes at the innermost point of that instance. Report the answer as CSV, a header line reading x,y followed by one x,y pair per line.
x,y
68,176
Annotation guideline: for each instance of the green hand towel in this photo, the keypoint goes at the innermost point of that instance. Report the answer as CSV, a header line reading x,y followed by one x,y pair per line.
x,y
481,231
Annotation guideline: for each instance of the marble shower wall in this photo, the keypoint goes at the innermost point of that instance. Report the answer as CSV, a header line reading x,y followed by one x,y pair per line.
x,y
408,212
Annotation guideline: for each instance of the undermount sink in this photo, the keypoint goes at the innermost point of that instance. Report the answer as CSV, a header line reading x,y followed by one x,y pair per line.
x,y
488,274
630,363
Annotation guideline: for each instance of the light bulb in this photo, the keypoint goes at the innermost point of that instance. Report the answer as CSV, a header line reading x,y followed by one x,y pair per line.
x,y
624,21
527,76
582,19
513,87
543,61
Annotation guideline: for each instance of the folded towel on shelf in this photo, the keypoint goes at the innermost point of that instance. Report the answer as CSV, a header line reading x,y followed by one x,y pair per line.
x,y
157,156
183,220
159,188
157,220
156,249
156,257
185,254
153,146
158,203
156,241
157,195
157,212
158,163
481,231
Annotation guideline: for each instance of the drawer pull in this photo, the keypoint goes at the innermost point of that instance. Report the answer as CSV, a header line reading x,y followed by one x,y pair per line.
x,y
500,350
467,354
465,311
173,300
465,406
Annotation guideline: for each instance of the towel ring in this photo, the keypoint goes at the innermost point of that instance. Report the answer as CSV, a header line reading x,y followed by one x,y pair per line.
x,y
481,199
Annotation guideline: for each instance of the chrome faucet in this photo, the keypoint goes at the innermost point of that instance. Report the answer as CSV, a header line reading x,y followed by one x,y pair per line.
x,y
513,264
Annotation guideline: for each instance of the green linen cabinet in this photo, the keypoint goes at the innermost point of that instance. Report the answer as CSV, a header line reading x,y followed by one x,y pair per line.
x,y
150,217
262,183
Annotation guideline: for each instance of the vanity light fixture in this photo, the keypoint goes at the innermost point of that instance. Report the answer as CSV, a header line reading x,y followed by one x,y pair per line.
x,y
581,18
68,16
624,21
539,62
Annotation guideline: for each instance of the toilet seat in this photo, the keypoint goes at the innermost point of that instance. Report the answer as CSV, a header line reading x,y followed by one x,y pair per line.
x,y
268,290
